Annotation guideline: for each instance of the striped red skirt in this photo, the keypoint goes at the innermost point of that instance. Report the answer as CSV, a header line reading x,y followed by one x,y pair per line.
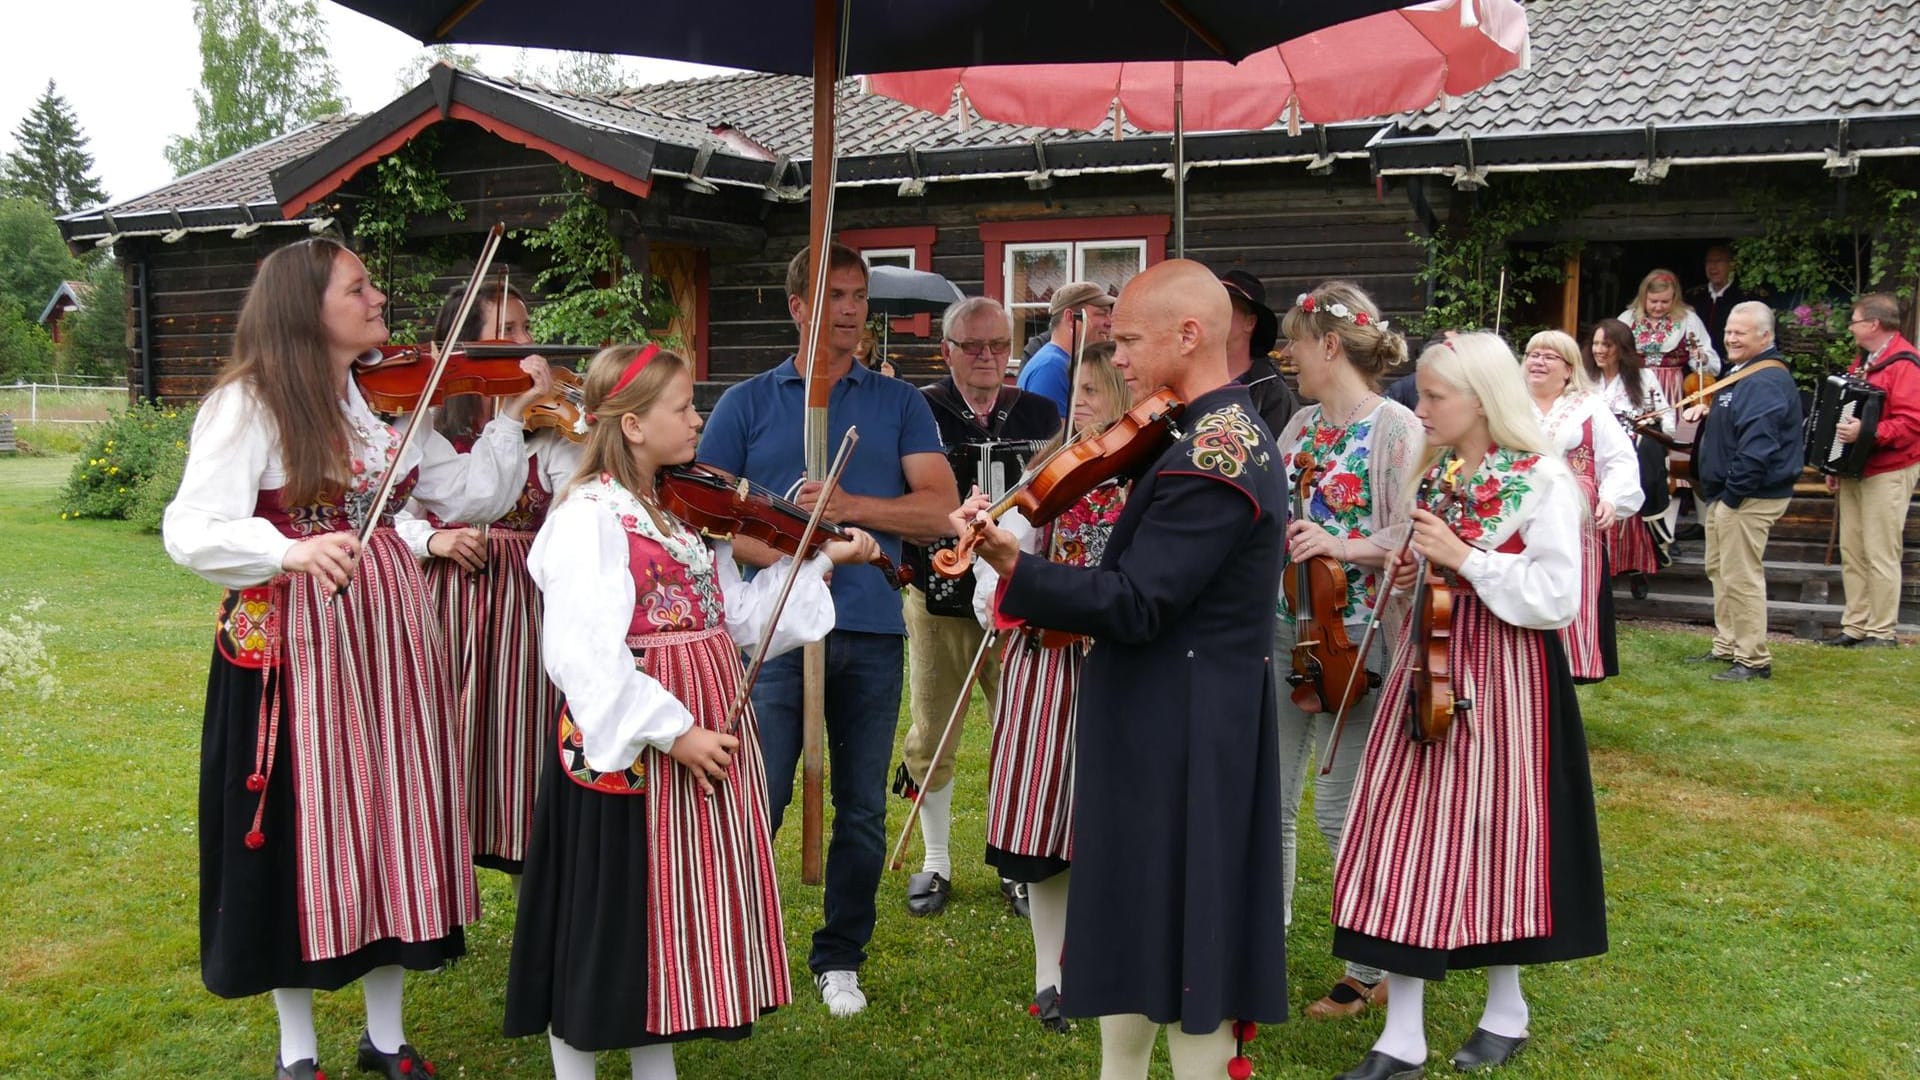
x,y
504,699
1481,848
1630,547
1589,639
1030,791
655,916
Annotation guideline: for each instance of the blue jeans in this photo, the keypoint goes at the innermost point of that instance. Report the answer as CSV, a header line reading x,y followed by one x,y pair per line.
x,y
863,710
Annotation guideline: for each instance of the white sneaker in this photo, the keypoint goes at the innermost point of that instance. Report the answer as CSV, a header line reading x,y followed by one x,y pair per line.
x,y
841,992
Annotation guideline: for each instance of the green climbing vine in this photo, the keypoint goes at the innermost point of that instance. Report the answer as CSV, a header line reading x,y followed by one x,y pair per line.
x,y
593,294
1466,254
408,185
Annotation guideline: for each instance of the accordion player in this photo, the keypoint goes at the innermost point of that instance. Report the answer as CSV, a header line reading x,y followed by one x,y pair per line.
x,y
1839,398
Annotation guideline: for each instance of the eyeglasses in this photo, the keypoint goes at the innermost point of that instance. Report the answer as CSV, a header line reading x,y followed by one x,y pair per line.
x,y
1544,354
1856,322
1000,346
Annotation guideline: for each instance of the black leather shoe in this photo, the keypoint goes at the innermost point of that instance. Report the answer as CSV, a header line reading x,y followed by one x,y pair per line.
x,y
1485,1050
1842,641
1708,658
1015,894
1379,1066
1638,586
927,893
304,1069
403,1064
1879,643
1742,673
1046,1009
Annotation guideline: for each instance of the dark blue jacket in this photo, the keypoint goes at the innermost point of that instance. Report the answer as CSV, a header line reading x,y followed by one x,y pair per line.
x,y
1749,445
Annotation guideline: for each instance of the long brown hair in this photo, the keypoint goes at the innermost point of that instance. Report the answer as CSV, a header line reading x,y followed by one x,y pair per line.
x,y
280,353
1626,359
459,417
606,449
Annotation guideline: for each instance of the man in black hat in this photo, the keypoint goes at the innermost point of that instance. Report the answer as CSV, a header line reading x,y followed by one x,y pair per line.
x,y
1250,339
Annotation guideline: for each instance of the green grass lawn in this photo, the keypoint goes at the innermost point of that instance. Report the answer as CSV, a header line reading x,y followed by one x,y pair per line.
x,y
1760,844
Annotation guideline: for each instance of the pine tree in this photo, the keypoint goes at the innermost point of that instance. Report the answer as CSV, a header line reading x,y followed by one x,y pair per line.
x,y
263,70
50,163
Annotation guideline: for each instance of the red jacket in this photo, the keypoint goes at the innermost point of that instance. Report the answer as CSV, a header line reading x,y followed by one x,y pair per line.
x,y
1896,441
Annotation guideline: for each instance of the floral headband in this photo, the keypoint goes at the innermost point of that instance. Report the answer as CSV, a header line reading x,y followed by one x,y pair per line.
x,y
1338,310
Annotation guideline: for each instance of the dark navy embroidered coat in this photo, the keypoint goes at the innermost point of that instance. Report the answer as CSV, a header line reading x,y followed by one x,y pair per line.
x,y
1175,910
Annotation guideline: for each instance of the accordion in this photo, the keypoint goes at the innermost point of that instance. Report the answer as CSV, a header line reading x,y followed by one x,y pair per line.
x,y
1843,397
995,467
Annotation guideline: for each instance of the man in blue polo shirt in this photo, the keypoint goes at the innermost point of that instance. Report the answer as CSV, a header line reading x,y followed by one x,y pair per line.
x,y
896,484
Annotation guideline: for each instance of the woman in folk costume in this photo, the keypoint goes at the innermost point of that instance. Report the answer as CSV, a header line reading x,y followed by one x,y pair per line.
x,y
1629,389
1672,342
1579,425
1479,849
333,836
1365,452
488,607
648,912
1030,790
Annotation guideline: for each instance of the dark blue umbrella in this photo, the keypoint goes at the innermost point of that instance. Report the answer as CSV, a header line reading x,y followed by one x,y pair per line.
x,y
882,35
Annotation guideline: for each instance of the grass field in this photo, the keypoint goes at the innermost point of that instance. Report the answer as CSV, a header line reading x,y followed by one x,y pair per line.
x,y
1760,847
65,418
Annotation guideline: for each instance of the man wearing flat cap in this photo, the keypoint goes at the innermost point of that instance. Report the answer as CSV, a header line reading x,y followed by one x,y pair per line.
x,y
1048,372
1250,339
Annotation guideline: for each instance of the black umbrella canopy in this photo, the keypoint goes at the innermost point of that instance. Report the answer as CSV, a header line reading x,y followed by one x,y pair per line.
x,y
895,290
883,35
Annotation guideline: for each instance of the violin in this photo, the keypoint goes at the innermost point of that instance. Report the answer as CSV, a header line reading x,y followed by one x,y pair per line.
x,y
1064,477
1695,382
1431,703
1324,658
392,383
723,506
563,410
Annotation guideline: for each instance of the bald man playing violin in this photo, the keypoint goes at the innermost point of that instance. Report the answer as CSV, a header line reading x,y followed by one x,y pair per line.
x,y
1174,914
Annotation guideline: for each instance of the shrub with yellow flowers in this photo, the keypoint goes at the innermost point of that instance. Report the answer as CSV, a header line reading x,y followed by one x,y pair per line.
x,y
130,457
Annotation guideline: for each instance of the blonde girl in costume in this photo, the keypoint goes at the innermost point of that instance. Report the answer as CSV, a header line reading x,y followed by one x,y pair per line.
x,y
648,911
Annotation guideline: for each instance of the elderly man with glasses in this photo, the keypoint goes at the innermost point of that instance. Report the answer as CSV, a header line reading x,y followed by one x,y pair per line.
x,y
989,429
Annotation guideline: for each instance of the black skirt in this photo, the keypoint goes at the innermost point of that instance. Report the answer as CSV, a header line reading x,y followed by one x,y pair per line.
x,y
580,939
249,898
1578,899
1027,868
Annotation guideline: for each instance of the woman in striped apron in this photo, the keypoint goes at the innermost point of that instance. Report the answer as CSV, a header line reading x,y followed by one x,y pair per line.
x,y
648,911
1672,342
1479,849
333,833
1579,425
1030,790
488,607
1629,390
1365,452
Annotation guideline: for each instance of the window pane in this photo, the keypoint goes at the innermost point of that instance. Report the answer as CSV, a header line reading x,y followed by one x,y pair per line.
x,y
1112,265
1035,270
901,257
1028,320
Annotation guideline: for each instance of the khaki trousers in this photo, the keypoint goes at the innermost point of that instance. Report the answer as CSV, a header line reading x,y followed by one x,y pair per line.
x,y
1736,547
940,649
1873,521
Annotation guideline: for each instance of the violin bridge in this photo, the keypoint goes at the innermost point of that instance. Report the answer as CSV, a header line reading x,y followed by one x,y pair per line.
x,y
740,489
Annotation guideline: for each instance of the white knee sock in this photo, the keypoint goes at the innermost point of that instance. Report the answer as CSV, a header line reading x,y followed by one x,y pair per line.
x,y
652,1062
297,1040
382,987
1200,1057
1048,901
1126,1045
569,1063
1405,1033
1506,1012
936,831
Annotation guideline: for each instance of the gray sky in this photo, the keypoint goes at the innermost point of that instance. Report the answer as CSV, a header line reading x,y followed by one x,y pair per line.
x,y
129,67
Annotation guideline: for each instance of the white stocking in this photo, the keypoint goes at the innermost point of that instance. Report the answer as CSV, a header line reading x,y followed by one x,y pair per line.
x,y
569,1063
1506,1012
936,831
297,1040
652,1062
382,987
1200,1057
1405,1033
1048,900
1126,1045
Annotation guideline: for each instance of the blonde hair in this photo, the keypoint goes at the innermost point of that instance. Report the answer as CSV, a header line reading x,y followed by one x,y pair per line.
x,y
1371,349
1562,345
1480,364
1096,359
606,450
1660,281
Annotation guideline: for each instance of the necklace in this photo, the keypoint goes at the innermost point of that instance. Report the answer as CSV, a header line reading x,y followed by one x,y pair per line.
x,y
1354,413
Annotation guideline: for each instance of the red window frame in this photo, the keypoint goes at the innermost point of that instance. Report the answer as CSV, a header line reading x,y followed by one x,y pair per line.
x,y
995,236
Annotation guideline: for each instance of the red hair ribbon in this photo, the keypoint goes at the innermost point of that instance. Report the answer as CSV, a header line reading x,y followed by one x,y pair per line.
x,y
634,367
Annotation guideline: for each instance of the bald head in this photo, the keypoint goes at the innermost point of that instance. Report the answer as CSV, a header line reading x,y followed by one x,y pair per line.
x,y
1170,328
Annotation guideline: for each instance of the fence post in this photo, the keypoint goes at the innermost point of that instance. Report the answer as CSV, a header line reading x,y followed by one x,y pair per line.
x,y
33,402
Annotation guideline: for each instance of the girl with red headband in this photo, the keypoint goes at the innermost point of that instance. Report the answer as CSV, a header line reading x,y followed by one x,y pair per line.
x,y
648,911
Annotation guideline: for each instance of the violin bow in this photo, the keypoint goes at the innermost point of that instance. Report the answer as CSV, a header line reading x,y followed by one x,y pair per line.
x,y
742,694
487,251
960,704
